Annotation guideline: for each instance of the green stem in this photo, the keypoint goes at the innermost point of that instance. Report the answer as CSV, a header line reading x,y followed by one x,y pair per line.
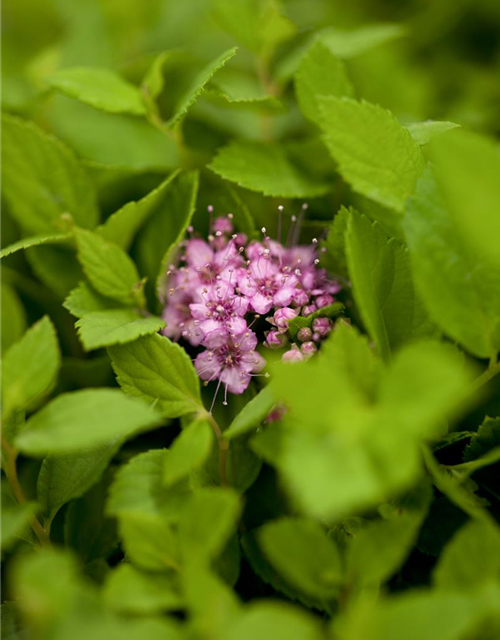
x,y
10,468
492,370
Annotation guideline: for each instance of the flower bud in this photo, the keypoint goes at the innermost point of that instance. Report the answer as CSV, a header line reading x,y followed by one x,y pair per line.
x,y
283,316
308,348
323,300
323,326
304,334
308,309
300,298
293,355
275,339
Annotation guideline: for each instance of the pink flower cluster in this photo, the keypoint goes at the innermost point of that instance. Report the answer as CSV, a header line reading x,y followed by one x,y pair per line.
x,y
224,285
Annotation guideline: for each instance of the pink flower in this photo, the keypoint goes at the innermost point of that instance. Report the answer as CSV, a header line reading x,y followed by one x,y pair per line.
x,y
283,316
230,359
266,285
219,308
292,355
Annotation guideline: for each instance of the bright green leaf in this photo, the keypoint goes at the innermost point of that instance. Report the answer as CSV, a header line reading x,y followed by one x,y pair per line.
x,y
25,243
252,414
348,44
424,132
274,621
189,450
13,323
83,300
115,326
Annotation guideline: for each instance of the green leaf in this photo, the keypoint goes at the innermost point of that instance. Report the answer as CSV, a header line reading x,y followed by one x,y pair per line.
x,y
348,44
320,74
376,552
197,85
330,311
149,541
424,132
467,166
334,258
206,523
265,168
15,518
256,24
486,439
83,300
122,226
13,322
471,558
84,419
273,621
302,553
115,326
156,370
130,591
461,291
30,368
189,451
109,269
154,81
43,181
64,478
379,270
100,88
25,243
252,414
376,155
56,266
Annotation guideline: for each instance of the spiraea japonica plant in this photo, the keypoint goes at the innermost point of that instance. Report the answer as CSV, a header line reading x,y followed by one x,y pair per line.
x,y
228,414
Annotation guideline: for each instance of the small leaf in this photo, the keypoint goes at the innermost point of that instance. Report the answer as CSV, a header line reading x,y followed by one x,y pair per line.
x,y
320,74
265,168
424,132
64,478
109,269
43,180
13,321
303,554
30,368
33,241
153,82
379,270
486,439
348,44
197,85
83,300
115,326
155,369
334,259
15,518
129,590
189,450
83,419
100,88
252,414
376,155
460,289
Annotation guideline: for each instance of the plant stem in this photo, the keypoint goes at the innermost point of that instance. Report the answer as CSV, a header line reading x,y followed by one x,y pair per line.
x,y
492,370
223,448
10,468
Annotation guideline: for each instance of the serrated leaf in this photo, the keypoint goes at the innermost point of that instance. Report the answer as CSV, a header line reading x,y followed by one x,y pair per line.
x,y
376,155
43,180
302,553
467,166
109,269
460,290
424,132
320,74
115,326
26,243
188,451
197,85
30,368
83,300
100,88
256,24
122,225
382,283
252,414
348,44
129,590
159,371
207,521
471,558
266,169
83,419
486,439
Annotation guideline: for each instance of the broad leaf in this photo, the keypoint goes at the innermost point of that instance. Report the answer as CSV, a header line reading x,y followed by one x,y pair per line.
x,y
157,370
83,300
84,419
100,88
376,155
267,169
320,74
379,270
43,180
30,368
33,241
273,620
115,326
460,290
252,414
189,450
109,269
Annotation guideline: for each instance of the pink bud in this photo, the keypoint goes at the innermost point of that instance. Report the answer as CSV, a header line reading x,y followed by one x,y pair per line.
x,y
308,309
323,326
304,334
283,316
308,348
275,339
300,297
323,300
293,355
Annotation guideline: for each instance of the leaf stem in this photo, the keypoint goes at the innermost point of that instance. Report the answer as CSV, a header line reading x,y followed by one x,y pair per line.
x,y
492,370
223,447
10,469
